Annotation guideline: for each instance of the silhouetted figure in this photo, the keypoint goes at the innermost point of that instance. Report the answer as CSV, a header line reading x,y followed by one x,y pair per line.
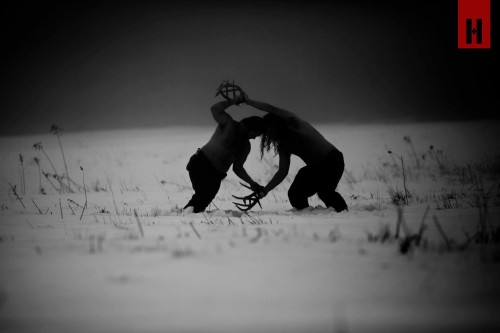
x,y
287,134
229,145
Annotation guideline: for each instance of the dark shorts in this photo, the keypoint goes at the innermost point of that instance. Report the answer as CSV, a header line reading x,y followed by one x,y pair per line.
x,y
322,179
206,180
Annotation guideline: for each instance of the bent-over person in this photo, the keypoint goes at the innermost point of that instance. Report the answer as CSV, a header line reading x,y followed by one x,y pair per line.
x,y
288,134
229,145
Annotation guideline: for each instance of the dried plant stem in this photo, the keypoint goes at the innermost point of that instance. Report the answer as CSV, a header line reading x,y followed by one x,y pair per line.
x,y
404,181
217,208
47,175
139,224
194,229
17,196
252,219
60,208
75,203
108,180
28,222
48,159
64,160
60,180
404,176
78,186
85,191
22,175
39,176
37,207
72,211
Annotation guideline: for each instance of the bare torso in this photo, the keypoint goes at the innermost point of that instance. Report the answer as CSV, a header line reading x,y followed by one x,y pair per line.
x,y
306,142
222,148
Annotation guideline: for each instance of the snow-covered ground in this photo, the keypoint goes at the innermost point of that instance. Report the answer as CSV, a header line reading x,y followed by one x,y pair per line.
x,y
273,270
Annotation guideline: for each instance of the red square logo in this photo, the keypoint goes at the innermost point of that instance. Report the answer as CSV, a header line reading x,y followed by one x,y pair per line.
x,y
474,26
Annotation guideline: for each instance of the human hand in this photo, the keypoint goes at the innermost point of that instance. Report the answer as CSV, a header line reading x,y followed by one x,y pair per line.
x,y
256,187
232,92
241,98
238,100
252,199
259,190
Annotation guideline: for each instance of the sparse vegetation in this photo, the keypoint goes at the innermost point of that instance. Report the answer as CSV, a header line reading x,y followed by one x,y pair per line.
x,y
397,196
58,132
22,174
392,220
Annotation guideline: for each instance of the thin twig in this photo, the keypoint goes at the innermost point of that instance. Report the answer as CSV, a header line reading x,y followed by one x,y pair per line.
x,y
37,161
74,183
72,211
404,176
60,207
23,181
17,196
108,180
206,218
253,219
47,175
39,146
214,205
57,130
85,191
31,226
194,229
37,207
139,223
75,203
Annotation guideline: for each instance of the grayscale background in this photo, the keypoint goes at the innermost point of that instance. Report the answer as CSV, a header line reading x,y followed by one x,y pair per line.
x,y
91,65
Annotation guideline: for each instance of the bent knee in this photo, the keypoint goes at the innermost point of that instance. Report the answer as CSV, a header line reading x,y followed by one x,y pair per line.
x,y
297,200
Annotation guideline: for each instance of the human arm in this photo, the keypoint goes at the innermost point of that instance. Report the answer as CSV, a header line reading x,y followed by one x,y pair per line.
x,y
266,107
240,171
219,110
279,176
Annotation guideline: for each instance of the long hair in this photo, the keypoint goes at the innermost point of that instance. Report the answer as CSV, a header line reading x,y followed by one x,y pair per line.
x,y
275,135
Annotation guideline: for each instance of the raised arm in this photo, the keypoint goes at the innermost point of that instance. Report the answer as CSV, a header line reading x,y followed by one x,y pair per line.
x,y
270,109
219,112
219,109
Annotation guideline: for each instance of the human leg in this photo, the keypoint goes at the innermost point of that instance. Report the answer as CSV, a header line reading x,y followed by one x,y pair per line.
x,y
333,169
303,186
203,196
205,180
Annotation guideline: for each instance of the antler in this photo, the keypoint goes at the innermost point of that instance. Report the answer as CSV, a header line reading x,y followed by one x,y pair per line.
x,y
248,201
227,88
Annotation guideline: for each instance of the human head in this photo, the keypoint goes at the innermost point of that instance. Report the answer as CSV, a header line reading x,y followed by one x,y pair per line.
x,y
254,126
274,135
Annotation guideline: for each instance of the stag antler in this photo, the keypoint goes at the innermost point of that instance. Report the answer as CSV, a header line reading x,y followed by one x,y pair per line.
x,y
248,201
226,89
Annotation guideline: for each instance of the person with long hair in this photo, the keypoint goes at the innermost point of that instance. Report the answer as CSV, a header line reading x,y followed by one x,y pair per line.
x,y
286,134
229,145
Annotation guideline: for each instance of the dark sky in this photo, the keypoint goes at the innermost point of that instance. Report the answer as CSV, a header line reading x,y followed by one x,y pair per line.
x,y
113,64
